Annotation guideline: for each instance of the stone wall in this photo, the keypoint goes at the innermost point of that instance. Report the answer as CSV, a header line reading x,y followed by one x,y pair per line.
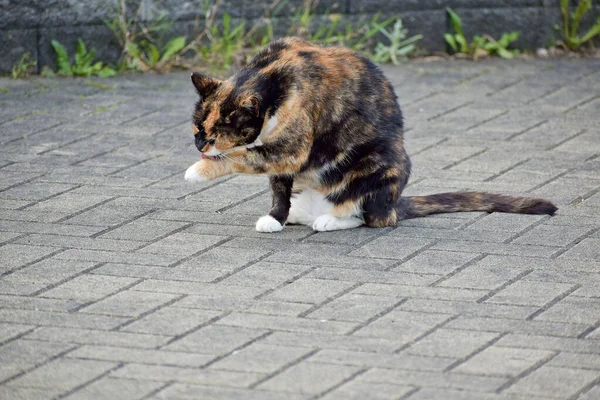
x,y
29,25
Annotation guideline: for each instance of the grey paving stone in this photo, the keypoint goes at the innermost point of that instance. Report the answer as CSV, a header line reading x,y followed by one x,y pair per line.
x,y
579,310
64,374
503,361
464,343
402,325
143,229
283,323
527,327
587,249
216,339
79,243
526,292
89,287
266,275
28,393
552,235
260,358
63,319
163,373
141,356
356,275
469,308
188,391
432,379
329,341
130,303
309,378
418,292
353,307
435,262
171,321
106,256
391,247
182,243
393,361
307,290
496,248
116,389
361,390
42,274
17,255
554,382
95,337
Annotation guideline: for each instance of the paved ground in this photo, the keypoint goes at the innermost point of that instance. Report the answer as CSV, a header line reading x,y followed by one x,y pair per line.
x,y
121,281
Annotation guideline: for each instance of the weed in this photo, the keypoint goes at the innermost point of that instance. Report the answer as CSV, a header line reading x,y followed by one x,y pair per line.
x,y
400,46
570,28
139,42
481,45
84,64
3,90
23,68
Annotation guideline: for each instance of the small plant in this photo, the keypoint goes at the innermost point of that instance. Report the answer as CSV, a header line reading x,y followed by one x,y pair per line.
x,y
482,45
458,42
570,28
400,46
23,68
139,42
225,43
84,62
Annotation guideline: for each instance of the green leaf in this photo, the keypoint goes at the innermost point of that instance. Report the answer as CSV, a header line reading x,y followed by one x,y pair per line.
x,y
152,54
226,22
106,72
133,50
594,31
80,53
464,47
582,8
62,58
456,22
450,40
504,53
174,46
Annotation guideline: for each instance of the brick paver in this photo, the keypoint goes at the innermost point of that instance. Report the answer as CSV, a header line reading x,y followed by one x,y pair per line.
x,y
119,280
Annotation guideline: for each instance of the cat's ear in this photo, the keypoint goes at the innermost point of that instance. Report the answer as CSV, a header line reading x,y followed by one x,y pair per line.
x,y
205,85
251,104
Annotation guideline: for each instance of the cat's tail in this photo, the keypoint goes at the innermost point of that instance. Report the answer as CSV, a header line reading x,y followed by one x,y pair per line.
x,y
419,206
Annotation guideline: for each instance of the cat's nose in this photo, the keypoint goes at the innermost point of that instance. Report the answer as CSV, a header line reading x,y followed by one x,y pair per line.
x,y
205,145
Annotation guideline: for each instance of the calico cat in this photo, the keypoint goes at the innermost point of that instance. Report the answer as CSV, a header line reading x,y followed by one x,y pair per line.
x,y
324,124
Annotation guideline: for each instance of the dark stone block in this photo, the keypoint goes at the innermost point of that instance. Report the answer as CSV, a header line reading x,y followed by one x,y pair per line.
x,y
192,9
494,3
16,43
96,36
258,8
19,13
530,22
387,7
431,24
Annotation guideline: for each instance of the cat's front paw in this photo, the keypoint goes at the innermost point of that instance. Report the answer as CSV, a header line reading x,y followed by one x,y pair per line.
x,y
268,224
192,175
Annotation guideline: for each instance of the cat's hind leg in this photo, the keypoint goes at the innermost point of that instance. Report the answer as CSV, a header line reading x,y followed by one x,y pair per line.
x,y
341,216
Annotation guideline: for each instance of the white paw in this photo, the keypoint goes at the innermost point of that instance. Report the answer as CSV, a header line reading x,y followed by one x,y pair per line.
x,y
328,222
192,176
268,224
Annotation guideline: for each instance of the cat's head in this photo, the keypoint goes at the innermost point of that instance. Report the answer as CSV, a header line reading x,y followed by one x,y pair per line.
x,y
226,116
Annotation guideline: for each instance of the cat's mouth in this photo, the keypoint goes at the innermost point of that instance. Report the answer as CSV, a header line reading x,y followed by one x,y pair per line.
x,y
218,157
